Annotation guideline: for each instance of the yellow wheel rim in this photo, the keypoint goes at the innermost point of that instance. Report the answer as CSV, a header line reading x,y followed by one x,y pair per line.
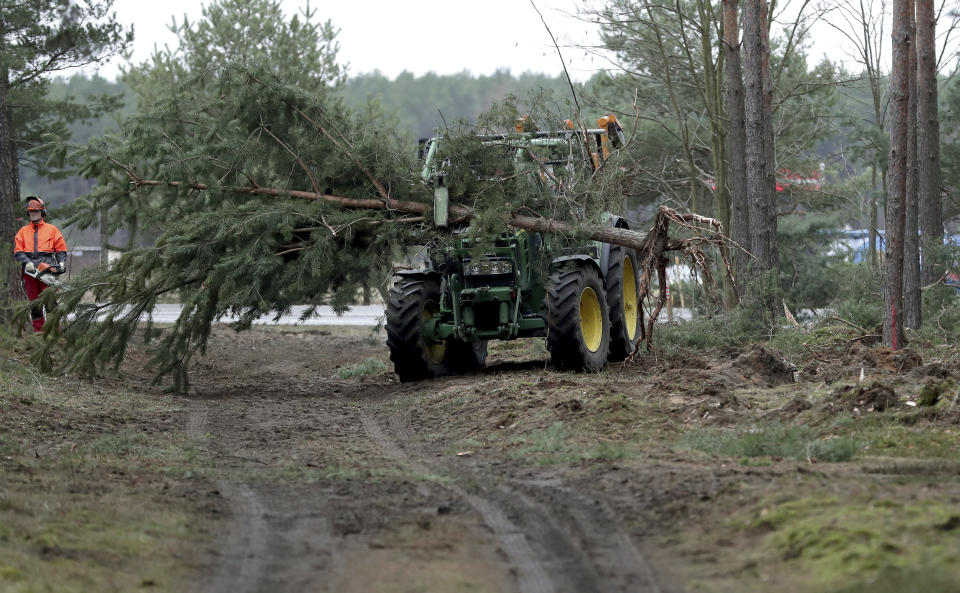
x,y
591,319
630,306
435,350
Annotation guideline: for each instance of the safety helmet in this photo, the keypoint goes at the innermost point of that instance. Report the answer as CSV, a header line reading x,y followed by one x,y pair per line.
x,y
40,205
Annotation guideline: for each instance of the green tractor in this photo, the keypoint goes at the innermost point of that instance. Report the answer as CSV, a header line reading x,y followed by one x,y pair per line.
x,y
582,296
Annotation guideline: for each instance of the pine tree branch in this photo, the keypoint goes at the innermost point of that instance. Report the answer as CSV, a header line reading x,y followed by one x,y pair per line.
x,y
306,169
296,109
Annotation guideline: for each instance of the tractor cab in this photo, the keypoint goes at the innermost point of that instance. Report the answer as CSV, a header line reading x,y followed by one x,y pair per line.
x,y
546,156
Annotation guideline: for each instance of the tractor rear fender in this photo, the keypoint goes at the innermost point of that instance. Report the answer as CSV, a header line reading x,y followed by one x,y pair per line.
x,y
616,222
586,259
423,274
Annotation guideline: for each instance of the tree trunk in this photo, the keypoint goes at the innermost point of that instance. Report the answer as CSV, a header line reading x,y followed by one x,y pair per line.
x,y
713,101
911,241
9,201
872,240
931,213
897,175
735,142
760,166
604,234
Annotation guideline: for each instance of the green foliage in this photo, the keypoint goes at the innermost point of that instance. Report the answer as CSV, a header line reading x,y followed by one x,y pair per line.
x,y
670,77
733,328
40,38
252,34
941,303
775,440
101,103
811,265
858,299
950,144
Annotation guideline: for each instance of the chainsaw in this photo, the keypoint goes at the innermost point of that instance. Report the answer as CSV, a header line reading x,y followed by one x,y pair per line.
x,y
46,273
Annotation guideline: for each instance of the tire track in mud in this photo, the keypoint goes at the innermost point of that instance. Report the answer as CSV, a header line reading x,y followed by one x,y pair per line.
x,y
580,541
243,553
531,575
614,551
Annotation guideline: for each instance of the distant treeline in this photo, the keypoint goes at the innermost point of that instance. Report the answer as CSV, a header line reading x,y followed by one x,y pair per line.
x,y
424,103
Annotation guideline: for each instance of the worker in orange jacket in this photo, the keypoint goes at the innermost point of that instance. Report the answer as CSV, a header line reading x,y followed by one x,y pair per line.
x,y
37,245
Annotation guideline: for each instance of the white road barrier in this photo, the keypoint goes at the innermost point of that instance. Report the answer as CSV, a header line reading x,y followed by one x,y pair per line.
x,y
363,315
359,315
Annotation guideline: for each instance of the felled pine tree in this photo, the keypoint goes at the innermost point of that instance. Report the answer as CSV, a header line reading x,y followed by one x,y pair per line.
x,y
261,196
247,186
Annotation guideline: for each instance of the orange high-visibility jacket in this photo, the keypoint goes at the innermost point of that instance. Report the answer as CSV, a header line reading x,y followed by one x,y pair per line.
x,y
40,242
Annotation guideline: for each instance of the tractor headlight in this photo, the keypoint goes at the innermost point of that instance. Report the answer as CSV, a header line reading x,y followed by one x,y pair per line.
x,y
487,267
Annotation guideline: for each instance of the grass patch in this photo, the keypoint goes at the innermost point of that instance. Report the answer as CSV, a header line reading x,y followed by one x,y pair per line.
x,y
887,435
370,366
710,333
549,441
775,440
556,444
609,451
86,503
926,442
927,580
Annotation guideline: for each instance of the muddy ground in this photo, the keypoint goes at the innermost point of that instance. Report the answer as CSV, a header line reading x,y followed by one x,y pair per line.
x,y
298,462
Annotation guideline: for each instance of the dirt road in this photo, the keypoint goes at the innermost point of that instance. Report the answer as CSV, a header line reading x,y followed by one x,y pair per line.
x,y
298,462
350,485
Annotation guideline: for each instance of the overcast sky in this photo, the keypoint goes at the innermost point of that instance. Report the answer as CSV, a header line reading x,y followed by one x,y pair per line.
x,y
443,36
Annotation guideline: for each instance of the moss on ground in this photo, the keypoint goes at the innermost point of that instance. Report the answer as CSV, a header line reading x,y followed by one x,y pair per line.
x,y
841,541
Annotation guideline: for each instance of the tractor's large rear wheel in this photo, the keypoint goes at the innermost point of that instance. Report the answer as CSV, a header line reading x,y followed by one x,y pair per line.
x,y
413,302
623,300
578,325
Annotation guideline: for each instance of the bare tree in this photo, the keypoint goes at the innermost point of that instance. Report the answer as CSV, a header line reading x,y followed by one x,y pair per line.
x,y
902,43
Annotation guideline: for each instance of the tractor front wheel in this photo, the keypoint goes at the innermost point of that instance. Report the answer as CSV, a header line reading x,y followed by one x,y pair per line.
x,y
466,357
578,324
414,302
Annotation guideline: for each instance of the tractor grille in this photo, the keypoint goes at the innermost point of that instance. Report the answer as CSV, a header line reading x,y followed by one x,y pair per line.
x,y
491,280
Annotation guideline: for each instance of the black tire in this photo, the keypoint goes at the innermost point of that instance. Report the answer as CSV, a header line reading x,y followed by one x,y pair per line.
x,y
577,306
625,318
414,358
466,357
